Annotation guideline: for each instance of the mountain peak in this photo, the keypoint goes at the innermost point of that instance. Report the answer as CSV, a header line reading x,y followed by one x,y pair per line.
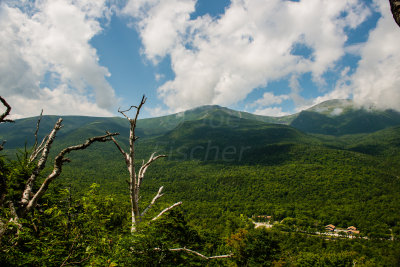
x,y
333,107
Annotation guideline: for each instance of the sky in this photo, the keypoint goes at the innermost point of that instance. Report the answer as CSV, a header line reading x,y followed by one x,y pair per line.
x,y
268,57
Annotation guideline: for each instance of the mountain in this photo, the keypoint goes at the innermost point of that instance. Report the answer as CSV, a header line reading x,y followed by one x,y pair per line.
x,y
333,117
222,162
160,125
74,128
218,136
340,117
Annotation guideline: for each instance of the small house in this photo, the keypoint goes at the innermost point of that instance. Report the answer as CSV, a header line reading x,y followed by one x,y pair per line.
x,y
352,230
330,227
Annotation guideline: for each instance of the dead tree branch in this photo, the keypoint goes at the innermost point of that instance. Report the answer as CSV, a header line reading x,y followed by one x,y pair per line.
x,y
7,112
58,163
36,150
144,167
198,253
40,164
37,130
166,210
124,154
153,201
3,117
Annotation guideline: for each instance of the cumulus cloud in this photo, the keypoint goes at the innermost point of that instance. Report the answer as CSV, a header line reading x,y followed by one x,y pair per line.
x,y
48,41
156,111
270,99
377,81
221,60
57,101
272,111
160,23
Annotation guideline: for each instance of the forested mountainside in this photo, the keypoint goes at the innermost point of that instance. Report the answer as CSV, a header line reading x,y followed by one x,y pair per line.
x,y
230,169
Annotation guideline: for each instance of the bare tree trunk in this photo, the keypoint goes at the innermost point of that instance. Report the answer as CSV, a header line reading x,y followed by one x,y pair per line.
x,y
135,180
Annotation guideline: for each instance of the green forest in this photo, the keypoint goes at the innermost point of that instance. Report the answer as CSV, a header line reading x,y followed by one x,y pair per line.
x,y
229,171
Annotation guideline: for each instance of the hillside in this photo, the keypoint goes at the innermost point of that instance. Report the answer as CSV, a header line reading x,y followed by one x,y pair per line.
x,y
226,167
333,117
340,117
233,145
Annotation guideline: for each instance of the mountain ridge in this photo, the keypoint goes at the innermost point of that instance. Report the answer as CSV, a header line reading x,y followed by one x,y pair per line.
x,y
333,117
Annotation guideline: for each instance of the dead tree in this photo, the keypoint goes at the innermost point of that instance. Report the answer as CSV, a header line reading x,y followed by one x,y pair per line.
x,y
3,117
29,198
6,113
135,180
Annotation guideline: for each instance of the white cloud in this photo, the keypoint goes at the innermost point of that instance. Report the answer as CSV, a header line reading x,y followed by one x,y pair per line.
x,y
159,76
156,111
273,112
221,60
270,99
336,111
58,101
51,38
160,23
377,79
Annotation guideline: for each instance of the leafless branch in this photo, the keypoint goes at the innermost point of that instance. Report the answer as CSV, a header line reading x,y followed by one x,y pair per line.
x,y
58,163
144,98
198,253
144,167
7,112
136,107
123,112
38,149
153,201
37,130
126,156
166,210
41,163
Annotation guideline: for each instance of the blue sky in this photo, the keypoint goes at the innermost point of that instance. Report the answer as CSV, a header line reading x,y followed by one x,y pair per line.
x,y
273,58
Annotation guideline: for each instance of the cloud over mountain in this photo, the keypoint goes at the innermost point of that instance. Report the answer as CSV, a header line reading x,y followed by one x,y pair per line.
x,y
221,60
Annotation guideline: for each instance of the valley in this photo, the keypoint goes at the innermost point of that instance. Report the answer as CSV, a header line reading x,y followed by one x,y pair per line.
x,y
227,166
